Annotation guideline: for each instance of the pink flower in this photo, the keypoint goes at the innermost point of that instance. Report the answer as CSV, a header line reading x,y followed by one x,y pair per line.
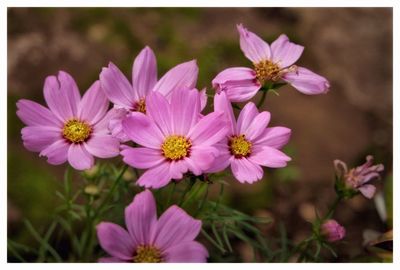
x,y
271,64
249,144
357,178
332,230
74,129
174,137
168,239
132,96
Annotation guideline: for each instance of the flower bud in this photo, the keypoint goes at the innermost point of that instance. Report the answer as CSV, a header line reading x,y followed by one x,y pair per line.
x,y
332,230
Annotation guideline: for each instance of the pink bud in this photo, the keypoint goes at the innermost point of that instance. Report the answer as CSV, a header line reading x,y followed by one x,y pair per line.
x,y
332,231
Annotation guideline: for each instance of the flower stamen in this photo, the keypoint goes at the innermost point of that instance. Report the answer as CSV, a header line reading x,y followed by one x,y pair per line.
x,y
76,131
240,146
176,147
147,254
269,71
140,106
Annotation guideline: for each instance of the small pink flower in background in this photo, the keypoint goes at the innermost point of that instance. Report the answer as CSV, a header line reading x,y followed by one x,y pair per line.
x,y
168,239
132,96
358,178
174,137
332,230
271,64
249,144
72,129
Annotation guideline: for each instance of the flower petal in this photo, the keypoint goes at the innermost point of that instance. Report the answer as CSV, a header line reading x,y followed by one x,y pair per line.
x,y
209,130
246,171
57,152
269,157
177,169
155,177
222,104
284,52
144,72
94,104
34,114
142,158
115,240
246,116
175,226
79,157
275,137
253,47
203,98
102,127
187,252
37,138
141,218
185,109
367,190
257,126
201,158
102,146
222,161
181,76
158,108
307,82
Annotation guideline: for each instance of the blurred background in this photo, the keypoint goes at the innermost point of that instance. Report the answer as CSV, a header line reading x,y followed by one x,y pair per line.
x,y
352,47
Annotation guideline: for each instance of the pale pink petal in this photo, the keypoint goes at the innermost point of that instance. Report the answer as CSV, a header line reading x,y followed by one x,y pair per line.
x,y
144,72
102,127
284,52
253,47
368,191
246,116
117,88
269,157
340,167
102,146
181,76
142,158
222,161
185,108
187,252
177,169
141,218
209,130
158,108
115,241
155,177
257,126
175,226
307,82
79,157
94,104
203,99
37,138
201,158
246,171
34,114
110,260
142,130
275,137
57,152
222,104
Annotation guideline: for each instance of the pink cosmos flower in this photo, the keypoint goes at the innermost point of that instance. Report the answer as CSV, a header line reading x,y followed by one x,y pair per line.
x,y
271,64
249,144
72,129
131,97
357,178
168,239
174,137
332,230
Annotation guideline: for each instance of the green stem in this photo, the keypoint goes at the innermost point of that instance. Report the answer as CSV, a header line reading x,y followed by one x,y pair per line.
x,y
172,191
192,181
261,101
332,208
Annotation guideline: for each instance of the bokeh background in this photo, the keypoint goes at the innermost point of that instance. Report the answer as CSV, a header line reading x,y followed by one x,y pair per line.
x,y
352,47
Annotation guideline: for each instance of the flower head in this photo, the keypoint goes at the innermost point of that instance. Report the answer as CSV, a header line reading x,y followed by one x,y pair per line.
x,y
332,230
148,239
72,129
249,144
358,178
270,64
131,97
174,137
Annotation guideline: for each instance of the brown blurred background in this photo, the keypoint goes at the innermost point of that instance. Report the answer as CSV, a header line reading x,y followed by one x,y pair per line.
x,y
352,47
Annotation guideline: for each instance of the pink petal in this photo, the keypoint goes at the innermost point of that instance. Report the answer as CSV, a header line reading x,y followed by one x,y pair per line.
x,y
155,177
222,104
79,157
177,169
246,116
57,152
93,105
37,138
158,108
257,126
187,252
117,88
284,52
246,171
115,241
201,158
141,218
269,157
222,161
110,260
181,76
209,130
142,158
175,226
203,99
253,47
185,108
239,83
144,72
34,114
307,82
102,146
368,191
142,130
275,137
102,127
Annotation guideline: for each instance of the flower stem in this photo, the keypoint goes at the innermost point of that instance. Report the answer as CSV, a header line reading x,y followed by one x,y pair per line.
x,y
261,101
332,208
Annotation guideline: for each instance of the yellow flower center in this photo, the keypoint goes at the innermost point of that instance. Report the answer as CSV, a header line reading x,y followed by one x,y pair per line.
x,y
76,131
176,147
239,146
140,106
147,254
267,71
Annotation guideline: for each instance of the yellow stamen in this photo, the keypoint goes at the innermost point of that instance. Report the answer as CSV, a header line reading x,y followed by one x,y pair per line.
x,y
267,71
176,147
239,146
76,131
147,254
140,106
